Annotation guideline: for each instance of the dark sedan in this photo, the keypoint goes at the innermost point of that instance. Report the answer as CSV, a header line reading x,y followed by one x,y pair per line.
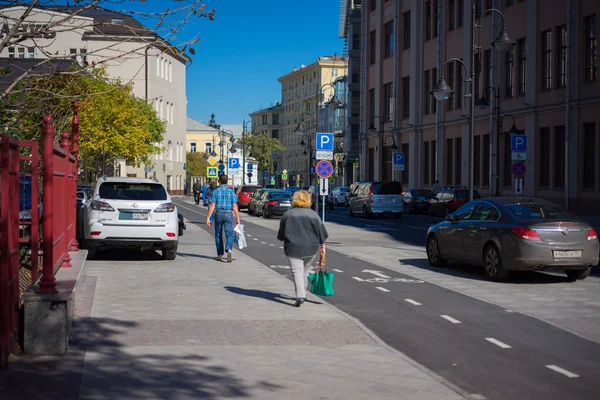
x,y
417,200
450,200
506,234
275,203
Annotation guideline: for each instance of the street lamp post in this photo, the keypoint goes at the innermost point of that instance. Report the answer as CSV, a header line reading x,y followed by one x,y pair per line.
x,y
380,132
443,91
244,128
300,131
222,143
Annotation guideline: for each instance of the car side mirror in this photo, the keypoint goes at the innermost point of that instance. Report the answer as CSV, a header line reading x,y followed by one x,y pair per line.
x,y
450,217
81,196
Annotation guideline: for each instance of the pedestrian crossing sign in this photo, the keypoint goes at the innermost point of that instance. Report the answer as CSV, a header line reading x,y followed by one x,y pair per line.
x,y
211,172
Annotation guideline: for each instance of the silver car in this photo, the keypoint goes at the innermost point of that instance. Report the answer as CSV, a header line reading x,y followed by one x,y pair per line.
x,y
377,198
506,234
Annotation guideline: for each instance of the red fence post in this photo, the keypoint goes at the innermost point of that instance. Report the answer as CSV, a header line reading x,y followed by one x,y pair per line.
x,y
75,151
47,281
69,204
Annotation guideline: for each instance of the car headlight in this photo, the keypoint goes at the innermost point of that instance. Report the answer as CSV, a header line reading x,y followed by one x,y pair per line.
x,y
165,207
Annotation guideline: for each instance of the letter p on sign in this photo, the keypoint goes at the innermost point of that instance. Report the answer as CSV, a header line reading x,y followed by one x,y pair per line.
x,y
324,141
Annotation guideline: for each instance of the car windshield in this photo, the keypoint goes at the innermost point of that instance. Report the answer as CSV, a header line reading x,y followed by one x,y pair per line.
x,y
250,189
428,194
540,211
344,189
132,191
280,194
387,188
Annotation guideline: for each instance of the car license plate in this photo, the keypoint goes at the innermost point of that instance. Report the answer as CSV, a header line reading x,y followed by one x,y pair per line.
x,y
133,216
387,200
567,254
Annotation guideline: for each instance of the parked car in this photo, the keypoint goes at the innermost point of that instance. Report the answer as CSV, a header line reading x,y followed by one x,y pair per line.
x,y
244,194
274,203
377,198
352,191
417,200
255,198
131,212
337,196
449,200
506,234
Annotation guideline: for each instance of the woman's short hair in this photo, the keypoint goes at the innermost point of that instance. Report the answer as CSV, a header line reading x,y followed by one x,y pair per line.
x,y
301,198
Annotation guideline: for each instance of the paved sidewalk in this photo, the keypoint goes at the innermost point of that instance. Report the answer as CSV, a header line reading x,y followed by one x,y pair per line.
x,y
194,328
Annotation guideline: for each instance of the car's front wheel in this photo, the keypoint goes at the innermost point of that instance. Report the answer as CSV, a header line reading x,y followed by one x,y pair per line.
x,y
434,255
492,262
169,253
578,274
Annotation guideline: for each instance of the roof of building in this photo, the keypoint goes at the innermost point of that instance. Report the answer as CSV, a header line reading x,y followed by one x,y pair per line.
x,y
236,129
193,125
12,68
276,107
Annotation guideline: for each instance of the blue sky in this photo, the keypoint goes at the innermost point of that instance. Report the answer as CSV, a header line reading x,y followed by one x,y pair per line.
x,y
248,46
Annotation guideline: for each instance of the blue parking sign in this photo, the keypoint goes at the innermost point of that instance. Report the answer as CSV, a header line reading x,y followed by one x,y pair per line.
x,y
234,163
324,141
518,142
249,167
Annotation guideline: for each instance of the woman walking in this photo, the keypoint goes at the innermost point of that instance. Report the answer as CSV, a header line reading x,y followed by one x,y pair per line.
x,y
303,234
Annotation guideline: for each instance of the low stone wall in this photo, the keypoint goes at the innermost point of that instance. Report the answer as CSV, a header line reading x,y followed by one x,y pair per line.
x,y
48,318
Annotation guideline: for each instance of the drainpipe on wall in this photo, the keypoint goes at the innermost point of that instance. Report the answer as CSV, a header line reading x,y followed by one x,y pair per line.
x,y
146,70
396,72
363,57
438,132
493,104
568,104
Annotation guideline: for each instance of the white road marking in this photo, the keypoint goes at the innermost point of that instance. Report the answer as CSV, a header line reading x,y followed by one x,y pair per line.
x,y
477,396
248,235
376,273
382,289
449,318
281,247
254,238
264,242
510,311
497,343
337,270
272,245
563,371
358,279
411,301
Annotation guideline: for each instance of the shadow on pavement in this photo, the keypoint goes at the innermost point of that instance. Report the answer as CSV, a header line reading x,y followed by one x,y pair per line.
x,y
197,256
113,371
128,255
477,273
261,294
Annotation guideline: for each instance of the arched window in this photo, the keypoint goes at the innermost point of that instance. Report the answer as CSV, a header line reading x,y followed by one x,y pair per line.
x,y
170,151
157,66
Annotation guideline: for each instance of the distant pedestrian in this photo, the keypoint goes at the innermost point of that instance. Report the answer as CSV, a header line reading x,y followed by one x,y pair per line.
x,y
223,202
436,187
197,188
208,193
303,235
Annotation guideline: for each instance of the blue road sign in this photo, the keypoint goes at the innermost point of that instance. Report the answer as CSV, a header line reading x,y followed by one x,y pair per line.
x,y
312,169
518,143
221,167
266,174
398,158
249,167
184,165
324,141
234,163
324,169
211,172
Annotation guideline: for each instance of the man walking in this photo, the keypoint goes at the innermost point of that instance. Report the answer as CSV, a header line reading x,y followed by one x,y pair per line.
x,y
197,188
223,202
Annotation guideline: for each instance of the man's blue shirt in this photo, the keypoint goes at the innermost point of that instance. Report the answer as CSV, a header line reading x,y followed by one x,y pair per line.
x,y
224,198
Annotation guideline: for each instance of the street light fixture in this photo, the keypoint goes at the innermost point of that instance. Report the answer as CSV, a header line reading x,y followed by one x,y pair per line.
x,y
335,102
299,129
442,90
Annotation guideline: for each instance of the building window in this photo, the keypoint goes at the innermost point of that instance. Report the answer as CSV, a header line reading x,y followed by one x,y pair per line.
x,y
11,52
427,89
434,12
522,51
477,161
451,15
208,147
428,20
433,156
591,48
406,16
508,74
544,156
388,105
426,163
21,52
546,59
452,83
170,71
561,56
486,160
461,10
589,156
265,119
275,133
275,119
117,21
372,47
157,66
161,109
388,30
406,97
487,70
371,104
431,97
458,161
83,57
373,4
459,86
449,162
559,156
356,41
172,113
31,52
193,147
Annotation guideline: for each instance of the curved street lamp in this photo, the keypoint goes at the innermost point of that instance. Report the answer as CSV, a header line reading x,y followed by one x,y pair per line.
x,y
503,42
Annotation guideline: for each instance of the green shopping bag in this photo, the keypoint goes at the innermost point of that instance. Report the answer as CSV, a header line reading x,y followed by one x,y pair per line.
x,y
321,282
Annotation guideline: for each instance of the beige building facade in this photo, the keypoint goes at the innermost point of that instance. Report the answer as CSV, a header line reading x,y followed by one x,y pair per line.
x,y
105,38
268,121
304,92
548,83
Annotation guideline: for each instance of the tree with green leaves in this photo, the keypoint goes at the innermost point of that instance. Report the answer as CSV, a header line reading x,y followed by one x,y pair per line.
x,y
262,148
195,164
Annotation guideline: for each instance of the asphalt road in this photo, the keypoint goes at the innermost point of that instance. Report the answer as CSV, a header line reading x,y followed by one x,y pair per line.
x,y
486,350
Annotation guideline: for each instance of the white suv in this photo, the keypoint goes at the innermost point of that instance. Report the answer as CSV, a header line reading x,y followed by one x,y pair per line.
x,y
130,212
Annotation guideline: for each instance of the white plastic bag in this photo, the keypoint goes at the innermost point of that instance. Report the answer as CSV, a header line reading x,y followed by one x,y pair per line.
x,y
240,238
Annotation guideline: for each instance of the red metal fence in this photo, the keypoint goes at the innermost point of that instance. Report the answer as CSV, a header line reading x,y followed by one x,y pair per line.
x,y
59,188
9,246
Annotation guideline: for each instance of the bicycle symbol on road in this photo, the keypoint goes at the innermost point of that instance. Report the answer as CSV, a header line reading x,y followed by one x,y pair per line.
x,y
385,280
